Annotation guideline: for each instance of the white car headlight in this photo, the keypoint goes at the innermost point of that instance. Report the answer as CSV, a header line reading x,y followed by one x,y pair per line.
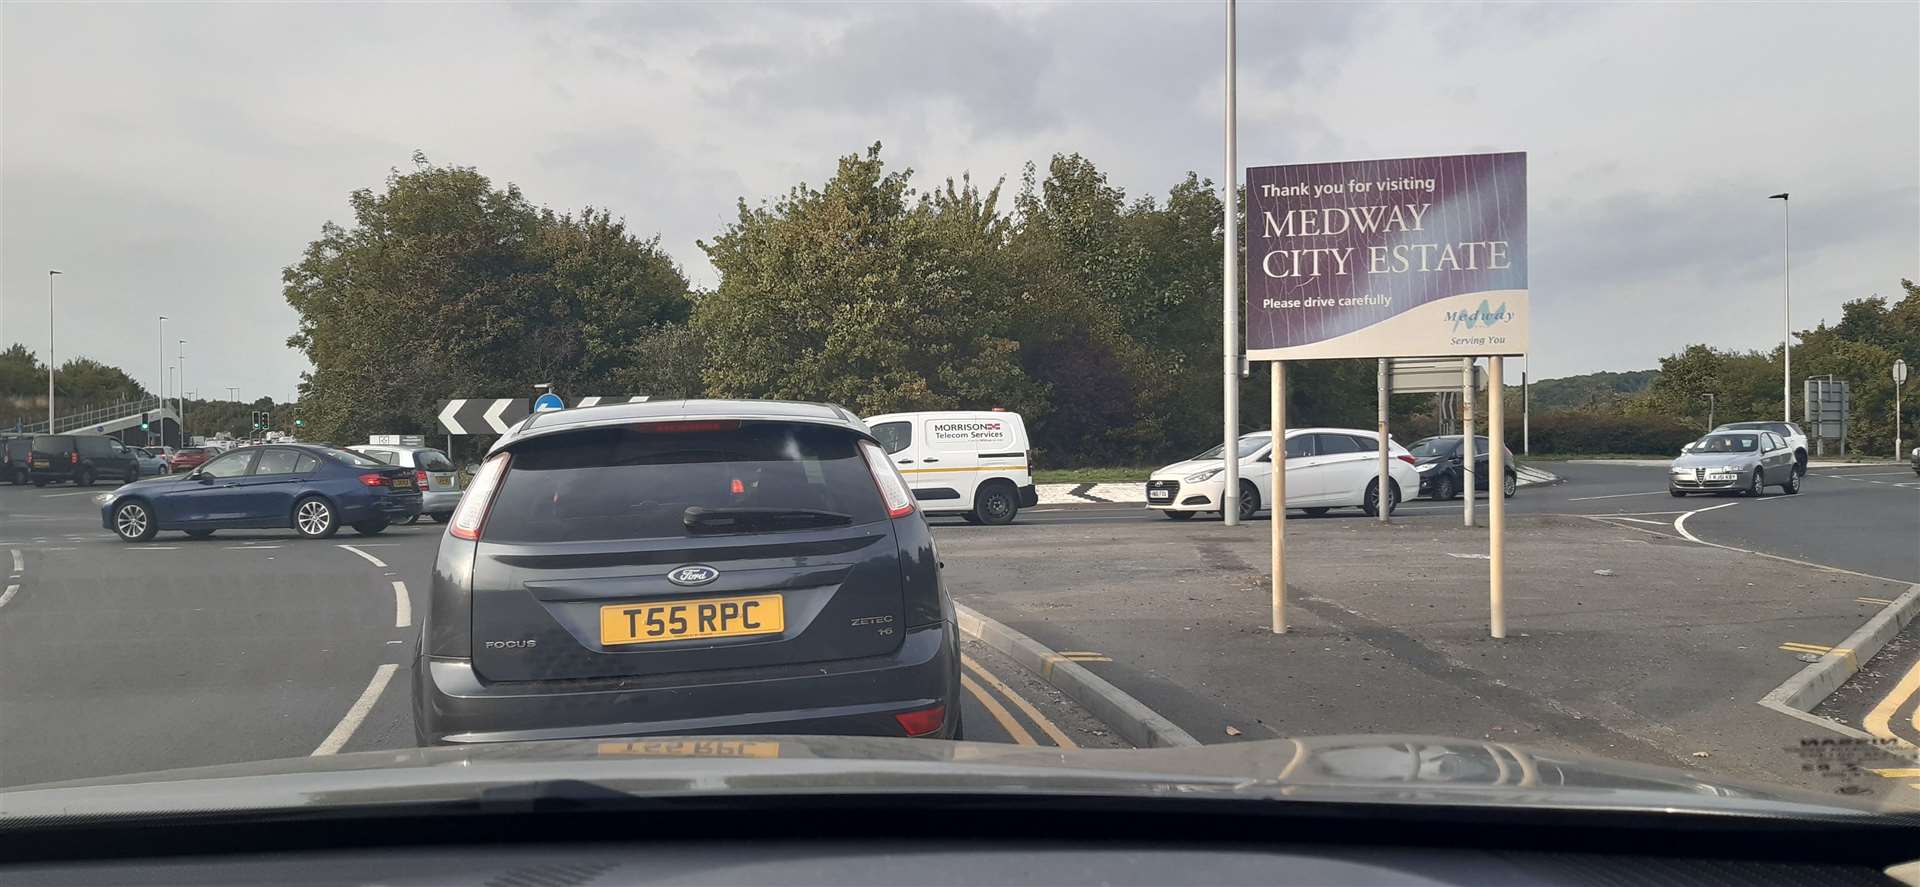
x,y
1204,475
103,498
1679,470
1427,467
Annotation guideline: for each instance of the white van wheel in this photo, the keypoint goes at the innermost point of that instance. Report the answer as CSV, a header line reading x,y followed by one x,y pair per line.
x,y
996,503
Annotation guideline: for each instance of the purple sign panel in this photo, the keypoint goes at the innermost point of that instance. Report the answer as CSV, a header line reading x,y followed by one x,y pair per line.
x,y
1415,257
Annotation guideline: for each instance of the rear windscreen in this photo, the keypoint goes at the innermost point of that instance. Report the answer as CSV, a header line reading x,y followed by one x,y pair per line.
x,y
626,483
431,460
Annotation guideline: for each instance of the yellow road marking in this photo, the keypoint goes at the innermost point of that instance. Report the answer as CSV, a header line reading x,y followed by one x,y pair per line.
x,y
1873,600
1878,721
1895,772
1072,653
1804,648
999,712
1843,652
1059,737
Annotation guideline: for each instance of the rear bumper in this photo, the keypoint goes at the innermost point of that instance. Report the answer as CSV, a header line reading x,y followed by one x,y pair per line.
x,y
392,509
856,697
440,502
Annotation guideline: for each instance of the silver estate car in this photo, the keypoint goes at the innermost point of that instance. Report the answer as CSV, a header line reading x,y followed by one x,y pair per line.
x,y
1734,461
434,473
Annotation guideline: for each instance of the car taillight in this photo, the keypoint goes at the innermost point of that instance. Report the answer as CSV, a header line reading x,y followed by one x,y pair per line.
x,y
73,458
922,722
372,480
893,488
1406,458
420,478
472,511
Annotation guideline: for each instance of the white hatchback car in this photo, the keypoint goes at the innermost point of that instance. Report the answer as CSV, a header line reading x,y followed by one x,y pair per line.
x,y
1327,468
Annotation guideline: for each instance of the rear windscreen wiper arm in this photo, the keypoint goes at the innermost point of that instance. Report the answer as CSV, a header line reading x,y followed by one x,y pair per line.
x,y
700,519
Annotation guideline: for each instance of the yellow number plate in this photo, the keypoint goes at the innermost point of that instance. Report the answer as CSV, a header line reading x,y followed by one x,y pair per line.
x,y
693,748
39,463
725,617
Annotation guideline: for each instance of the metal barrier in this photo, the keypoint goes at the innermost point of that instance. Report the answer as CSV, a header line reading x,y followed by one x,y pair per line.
x,y
100,415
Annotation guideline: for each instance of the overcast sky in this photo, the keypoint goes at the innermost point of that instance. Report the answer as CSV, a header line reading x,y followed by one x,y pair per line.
x,y
173,158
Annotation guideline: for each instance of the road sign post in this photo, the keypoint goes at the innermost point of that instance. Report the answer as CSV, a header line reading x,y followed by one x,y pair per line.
x,y
1277,526
1410,257
1381,481
1468,462
1899,384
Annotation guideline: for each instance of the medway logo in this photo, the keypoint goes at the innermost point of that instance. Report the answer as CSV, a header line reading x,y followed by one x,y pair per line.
x,y
1482,316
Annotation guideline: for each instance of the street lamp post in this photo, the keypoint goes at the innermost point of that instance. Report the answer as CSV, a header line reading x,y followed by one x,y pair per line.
x,y
1229,298
51,274
183,392
1786,307
163,382
1710,404
1899,385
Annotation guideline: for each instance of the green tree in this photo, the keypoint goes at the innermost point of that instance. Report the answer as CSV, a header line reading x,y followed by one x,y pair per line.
x,y
448,287
860,294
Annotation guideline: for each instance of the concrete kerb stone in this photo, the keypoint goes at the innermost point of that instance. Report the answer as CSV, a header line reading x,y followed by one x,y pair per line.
x,y
1803,691
1136,723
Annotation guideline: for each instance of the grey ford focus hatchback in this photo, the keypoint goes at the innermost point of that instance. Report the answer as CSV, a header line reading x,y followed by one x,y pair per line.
x,y
686,567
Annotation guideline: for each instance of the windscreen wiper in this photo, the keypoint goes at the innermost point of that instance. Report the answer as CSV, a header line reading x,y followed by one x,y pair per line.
x,y
700,519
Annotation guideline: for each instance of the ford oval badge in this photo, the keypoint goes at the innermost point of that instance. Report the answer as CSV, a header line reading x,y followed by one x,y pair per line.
x,y
694,574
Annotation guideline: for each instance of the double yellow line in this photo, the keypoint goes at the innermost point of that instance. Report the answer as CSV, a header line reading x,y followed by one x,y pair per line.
x,y
1000,713
1879,721
1822,650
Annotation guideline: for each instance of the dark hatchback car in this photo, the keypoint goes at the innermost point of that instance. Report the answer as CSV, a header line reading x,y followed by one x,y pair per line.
x,y
312,490
1440,460
81,458
687,567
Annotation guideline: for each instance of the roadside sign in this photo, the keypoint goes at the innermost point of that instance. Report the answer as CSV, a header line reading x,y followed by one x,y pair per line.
x,y
1899,372
1410,257
1420,375
548,402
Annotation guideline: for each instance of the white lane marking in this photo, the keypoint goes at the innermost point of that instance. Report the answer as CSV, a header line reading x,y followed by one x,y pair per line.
x,y
1471,557
370,558
350,721
1616,496
1678,524
251,547
1871,474
19,566
152,548
1642,520
61,495
8,594
402,607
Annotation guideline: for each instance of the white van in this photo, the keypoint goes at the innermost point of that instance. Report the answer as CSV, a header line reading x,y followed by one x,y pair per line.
x,y
970,463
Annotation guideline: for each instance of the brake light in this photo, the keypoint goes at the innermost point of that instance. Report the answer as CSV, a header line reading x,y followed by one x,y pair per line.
x,y
372,480
471,514
737,487
1405,458
689,426
73,458
893,487
922,722
420,478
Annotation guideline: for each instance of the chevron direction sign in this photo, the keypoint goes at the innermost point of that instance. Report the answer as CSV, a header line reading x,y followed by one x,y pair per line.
x,y
486,415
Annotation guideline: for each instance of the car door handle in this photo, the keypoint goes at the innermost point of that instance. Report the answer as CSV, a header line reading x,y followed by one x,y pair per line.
x,y
931,460
906,461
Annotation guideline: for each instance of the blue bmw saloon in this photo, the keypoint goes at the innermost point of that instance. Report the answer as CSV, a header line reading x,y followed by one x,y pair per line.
x,y
311,489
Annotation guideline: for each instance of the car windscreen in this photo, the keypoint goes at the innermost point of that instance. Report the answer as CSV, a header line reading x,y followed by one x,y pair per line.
x,y
352,458
1248,446
626,482
1727,443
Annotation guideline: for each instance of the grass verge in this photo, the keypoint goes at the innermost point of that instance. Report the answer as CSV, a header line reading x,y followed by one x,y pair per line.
x,y
1114,474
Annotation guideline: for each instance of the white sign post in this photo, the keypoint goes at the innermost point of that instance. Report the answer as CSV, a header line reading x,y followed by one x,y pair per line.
x,y
1412,257
1899,383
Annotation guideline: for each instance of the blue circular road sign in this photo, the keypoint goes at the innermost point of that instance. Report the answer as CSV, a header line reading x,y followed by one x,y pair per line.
x,y
548,402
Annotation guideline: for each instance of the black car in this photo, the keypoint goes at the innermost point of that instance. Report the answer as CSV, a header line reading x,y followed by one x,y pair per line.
x,y
13,457
687,567
1439,461
81,458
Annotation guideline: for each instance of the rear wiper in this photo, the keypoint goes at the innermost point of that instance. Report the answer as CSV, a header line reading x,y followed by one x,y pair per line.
x,y
700,519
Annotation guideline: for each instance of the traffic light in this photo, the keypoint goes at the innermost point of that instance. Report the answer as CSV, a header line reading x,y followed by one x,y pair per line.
x,y
299,423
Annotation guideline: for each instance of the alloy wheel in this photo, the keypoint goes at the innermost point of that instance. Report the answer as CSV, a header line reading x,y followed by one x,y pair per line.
x,y
313,517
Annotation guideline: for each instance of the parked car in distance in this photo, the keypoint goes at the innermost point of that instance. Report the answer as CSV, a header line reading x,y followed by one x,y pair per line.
x,y
1795,439
1327,468
435,474
707,566
189,458
1916,460
81,458
1734,461
973,463
13,457
150,465
311,490
1440,461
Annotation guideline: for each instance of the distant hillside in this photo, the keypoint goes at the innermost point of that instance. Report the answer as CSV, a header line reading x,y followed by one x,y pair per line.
x,y
1592,389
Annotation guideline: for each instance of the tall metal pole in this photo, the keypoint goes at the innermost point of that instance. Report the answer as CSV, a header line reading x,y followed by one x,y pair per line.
x,y
161,378
1467,460
1278,553
1526,409
1786,306
1382,498
1230,299
51,274
1496,500
183,392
